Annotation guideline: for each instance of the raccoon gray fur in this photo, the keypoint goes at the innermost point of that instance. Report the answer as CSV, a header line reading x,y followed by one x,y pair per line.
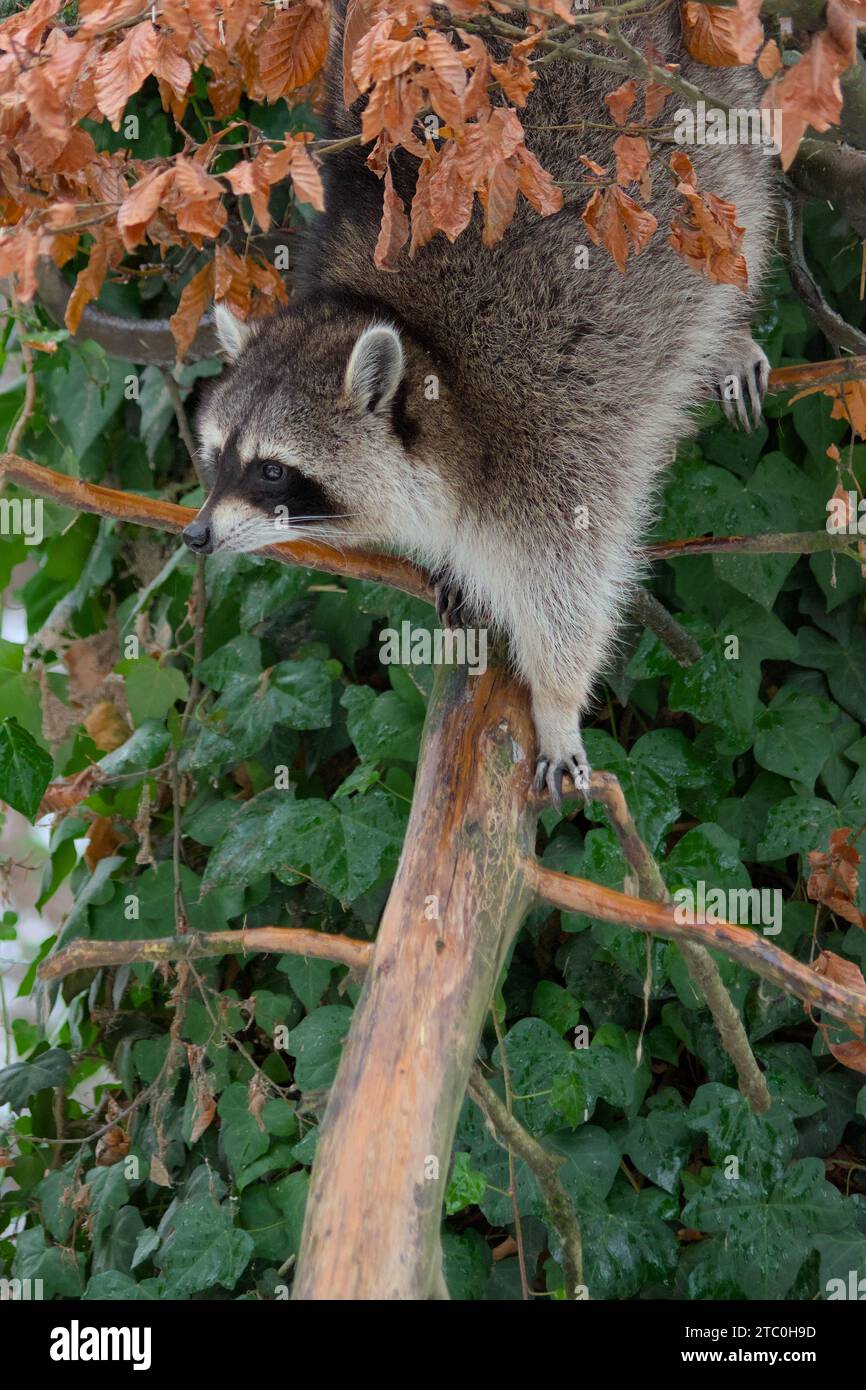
x,y
562,392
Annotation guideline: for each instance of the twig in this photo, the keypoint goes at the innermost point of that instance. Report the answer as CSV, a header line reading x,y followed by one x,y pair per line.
x,y
831,324
512,1176
748,948
646,607
544,1167
703,971
22,420
181,416
298,941
795,543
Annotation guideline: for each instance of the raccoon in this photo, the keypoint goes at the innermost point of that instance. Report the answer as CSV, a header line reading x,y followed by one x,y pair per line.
x,y
497,414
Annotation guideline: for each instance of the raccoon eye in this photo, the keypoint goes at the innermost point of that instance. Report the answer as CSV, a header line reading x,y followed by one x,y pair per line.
x,y
273,472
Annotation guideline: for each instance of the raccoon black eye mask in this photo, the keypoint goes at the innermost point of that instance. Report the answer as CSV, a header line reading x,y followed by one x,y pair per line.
x,y
495,414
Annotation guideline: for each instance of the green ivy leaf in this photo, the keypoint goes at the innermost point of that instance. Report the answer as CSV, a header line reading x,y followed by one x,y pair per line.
x,y
25,769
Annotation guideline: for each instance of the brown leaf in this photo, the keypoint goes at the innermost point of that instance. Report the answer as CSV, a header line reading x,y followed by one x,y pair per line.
x,y
356,24
709,239
158,1172
141,204
615,220
205,1109
498,198
833,877
171,66
124,69
293,49
89,282
67,792
193,302
840,971
723,38
809,93
769,59
632,158
306,179
515,77
620,102
394,231
113,1146
536,185
106,726
102,841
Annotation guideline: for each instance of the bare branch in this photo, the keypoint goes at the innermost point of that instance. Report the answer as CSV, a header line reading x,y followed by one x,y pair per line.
x,y
544,1167
831,324
703,971
748,948
296,941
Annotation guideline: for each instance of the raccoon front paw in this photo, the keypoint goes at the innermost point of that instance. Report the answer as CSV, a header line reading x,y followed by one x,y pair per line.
x,y
746,378
551,771
450,604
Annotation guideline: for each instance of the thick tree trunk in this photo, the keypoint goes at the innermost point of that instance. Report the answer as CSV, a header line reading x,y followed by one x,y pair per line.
x,y
372,1226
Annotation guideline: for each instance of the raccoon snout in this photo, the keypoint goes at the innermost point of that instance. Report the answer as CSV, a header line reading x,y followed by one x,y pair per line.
x,y
198,537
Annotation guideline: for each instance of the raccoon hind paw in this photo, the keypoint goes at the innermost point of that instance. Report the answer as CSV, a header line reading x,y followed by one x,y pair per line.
x,y
450,603
550,773
746,380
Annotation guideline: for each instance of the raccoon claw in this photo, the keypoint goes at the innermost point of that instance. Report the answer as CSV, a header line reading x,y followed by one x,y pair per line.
x,y
449,601
550,774
750,379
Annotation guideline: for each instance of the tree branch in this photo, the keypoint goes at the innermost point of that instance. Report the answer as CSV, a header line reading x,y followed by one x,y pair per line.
x,y
296,941
746,947
831,324
544,1167
703,971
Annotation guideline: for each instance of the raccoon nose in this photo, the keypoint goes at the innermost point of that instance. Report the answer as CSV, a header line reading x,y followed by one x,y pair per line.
x,y
198,537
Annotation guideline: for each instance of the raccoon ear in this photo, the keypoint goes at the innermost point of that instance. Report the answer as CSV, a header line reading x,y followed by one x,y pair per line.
x,y
375,367
232,332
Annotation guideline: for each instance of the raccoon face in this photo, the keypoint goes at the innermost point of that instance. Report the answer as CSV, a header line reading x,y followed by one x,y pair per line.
x,y
298,438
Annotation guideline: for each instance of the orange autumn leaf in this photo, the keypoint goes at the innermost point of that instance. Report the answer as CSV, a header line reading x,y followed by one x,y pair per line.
x,y
723,37
124,69
102,841
620,102
617,222
356,24
769,59
849,402
192,304
394,230
840,971
515,77
106,726
293,49
632,158
536,185
833,877
809,94
67,792
498,198
851,1053
306,179
89,283
708,237
141,204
